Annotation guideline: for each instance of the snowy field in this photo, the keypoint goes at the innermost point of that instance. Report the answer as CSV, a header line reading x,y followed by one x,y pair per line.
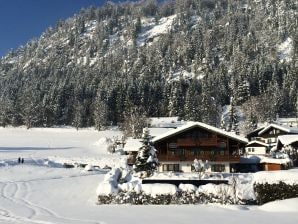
x,y
42,192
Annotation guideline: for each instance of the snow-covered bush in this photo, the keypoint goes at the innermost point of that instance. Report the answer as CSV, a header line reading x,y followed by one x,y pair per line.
x,y
266,192
89,168
106,189
187,188
200,167
159,189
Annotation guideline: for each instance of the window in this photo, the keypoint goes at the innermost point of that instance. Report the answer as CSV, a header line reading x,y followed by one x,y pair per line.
x,y
249,150
253,149
170,167
218,168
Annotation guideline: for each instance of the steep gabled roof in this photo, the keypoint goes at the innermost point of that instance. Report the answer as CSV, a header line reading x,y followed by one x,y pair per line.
x,y
255,131
287,139
257,142
280,127
191,125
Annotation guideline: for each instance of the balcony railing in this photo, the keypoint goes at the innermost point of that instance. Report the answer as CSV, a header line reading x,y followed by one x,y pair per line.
x,y
197,142
219,158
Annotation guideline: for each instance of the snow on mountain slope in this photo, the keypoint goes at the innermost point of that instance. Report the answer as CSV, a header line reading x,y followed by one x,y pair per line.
x,y
150,30
285,50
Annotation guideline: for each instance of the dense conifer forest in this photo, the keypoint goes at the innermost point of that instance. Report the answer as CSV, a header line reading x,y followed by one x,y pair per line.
x,y
123,62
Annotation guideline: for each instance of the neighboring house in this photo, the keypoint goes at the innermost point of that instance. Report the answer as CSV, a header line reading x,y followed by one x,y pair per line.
x,y
270,133
271,164
291,121
256,148
289,145
131,148
178,148
253,135
287,141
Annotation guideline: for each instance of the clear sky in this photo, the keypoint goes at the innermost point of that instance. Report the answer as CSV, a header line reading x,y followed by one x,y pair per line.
x,y
22,20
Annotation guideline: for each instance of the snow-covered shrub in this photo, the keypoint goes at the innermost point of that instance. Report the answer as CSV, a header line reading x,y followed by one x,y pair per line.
x,y
106,189
127,187
159,189
113,177
109,186
89,168
200,167
187,188
266,192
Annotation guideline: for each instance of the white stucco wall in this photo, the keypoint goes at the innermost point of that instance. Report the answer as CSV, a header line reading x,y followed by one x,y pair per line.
x,y
186,166
255,150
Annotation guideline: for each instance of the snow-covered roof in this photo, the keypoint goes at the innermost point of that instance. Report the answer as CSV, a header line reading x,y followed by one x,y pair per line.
x,y
165,122
158,131
275,161
200,125
257,142
287,139
280,127
256,130
132,145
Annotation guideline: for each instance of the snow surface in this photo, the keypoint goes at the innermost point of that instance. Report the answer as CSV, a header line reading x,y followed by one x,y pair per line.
x,y
285,50
41,192
150,30
288,205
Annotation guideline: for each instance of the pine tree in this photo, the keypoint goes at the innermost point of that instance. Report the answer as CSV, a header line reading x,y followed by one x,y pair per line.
x,y
233,118
146,160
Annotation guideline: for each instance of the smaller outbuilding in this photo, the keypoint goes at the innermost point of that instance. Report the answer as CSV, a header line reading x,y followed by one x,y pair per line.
x,y
131,148
256,148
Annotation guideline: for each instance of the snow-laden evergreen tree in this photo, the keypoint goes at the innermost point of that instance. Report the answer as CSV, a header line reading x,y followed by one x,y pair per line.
x,y
146,160
233,118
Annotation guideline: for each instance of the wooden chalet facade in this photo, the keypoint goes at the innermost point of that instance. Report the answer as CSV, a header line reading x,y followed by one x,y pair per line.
x,y
177,149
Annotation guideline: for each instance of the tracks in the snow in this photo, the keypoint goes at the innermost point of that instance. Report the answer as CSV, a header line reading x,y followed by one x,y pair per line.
x,y
16,207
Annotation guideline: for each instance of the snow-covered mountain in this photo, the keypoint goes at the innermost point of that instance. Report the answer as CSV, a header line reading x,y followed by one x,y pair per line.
x,y
182,58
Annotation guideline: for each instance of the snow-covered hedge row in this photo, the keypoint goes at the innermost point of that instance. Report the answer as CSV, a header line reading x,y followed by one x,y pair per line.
x,y
120,187
266,192
136,193
180,197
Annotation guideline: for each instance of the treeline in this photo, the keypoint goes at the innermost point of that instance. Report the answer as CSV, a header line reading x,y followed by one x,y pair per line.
x,y
92,70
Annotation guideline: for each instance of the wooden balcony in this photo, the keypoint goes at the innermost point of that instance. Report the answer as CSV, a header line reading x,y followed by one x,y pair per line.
x,y
190,142
213,158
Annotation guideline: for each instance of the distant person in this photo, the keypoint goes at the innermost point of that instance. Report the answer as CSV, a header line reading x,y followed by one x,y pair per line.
x,y
22,160
19,160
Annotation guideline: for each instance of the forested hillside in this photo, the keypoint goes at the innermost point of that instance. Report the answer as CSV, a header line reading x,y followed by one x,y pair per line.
x,y
182,58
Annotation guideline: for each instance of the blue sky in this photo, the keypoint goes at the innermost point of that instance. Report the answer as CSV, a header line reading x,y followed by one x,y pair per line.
x,y
22,20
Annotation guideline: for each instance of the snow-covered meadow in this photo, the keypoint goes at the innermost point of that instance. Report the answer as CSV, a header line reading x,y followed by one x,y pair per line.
x,y
41,191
